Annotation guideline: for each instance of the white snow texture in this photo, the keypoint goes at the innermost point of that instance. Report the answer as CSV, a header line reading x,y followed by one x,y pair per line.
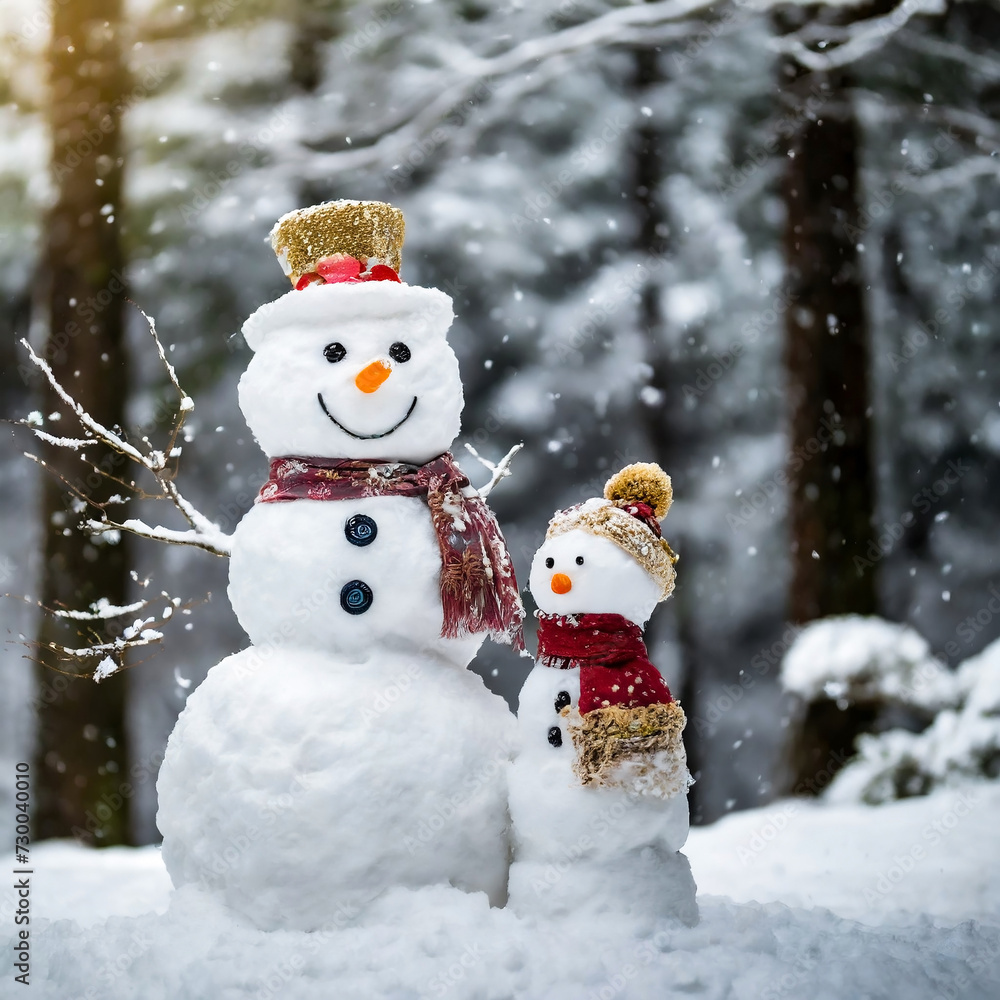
x,y
300,787
916,939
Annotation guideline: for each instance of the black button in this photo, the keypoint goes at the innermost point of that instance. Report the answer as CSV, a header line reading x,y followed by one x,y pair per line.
x,y
555,736
356,597
562,700
360,530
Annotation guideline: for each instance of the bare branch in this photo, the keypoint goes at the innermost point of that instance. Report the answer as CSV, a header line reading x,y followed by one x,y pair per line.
x,y
648,24
990,68
97,429
856,40
111,653
499,471
951,177
217,542
203,533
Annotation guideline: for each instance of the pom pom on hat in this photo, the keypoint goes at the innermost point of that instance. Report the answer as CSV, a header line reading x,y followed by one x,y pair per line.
x,y
643,482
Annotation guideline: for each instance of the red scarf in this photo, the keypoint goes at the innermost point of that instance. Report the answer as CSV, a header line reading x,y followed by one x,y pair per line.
x,y
478,590
614,666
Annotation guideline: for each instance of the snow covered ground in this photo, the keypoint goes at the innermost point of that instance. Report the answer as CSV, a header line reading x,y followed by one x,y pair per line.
x,y
938,855
798,899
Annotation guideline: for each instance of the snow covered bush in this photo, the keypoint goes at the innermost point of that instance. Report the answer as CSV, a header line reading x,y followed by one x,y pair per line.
x,y
962,743
853,660
849,676
893,719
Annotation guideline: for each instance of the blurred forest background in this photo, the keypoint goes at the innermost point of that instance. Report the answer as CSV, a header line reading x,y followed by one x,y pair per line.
x,y
755,242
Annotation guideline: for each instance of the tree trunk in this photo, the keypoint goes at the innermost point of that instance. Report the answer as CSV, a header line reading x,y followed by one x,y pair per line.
x,y
81,755
831,490
831,486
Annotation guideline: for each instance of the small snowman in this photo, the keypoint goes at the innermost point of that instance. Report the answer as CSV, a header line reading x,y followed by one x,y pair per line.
x,y
348,749
598,791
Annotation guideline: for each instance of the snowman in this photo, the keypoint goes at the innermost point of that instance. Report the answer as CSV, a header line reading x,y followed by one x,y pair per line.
x,y
348,749
598,791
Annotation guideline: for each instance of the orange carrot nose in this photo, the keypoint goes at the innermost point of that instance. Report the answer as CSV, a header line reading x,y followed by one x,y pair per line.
x,y
371,377
561,583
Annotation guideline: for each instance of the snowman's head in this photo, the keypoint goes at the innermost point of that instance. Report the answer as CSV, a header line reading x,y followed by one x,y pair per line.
x,y
608,555
578,573
359,371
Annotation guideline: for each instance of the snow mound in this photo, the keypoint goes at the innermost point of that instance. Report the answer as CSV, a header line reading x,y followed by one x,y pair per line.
x,y
440,941
860,862
929,857
857,659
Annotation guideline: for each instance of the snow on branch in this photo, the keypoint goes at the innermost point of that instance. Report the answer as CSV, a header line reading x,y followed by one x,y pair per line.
x,y
157,464
465,73
126,632
984,65
957,176
499,471
854,40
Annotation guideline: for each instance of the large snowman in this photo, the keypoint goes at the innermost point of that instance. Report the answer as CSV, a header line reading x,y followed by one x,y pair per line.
x,y
598,791
348,749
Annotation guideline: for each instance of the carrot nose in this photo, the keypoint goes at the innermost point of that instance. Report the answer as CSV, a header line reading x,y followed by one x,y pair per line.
x,y
372,376
561,583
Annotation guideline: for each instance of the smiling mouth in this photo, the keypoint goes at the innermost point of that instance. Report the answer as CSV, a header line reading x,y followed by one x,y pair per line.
x,y
365,437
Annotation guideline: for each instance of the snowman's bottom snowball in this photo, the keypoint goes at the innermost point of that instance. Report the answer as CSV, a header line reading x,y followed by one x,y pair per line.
x,y
300,787
644,884
556,819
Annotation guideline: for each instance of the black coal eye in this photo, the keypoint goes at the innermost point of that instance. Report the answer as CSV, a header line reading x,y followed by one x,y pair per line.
x,y
562,700
579,560
399,352
356,597
334,352
360,530
550,562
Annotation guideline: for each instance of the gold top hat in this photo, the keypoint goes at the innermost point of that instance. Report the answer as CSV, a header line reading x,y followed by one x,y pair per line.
x,y
371,231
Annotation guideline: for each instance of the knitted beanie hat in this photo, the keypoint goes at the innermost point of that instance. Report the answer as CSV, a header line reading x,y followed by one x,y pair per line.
x,y
635,500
